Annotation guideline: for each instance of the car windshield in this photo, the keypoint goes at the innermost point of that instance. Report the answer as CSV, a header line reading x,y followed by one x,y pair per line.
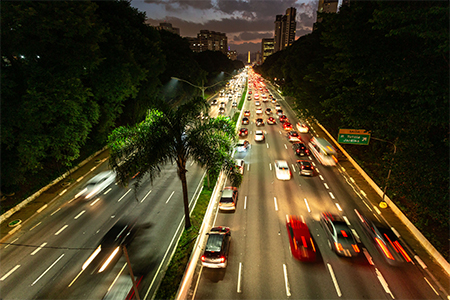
x,y
226,200
214,242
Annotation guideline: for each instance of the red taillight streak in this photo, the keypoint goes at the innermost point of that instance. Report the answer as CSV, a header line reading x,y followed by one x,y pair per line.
x,y
312,243
402,251
339,246
385,235
222,259
356,248
334,158
304,242
384,248
203,258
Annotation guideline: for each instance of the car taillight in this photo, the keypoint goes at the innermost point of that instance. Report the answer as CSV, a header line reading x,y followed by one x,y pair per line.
x,y
203,258
222,259
402,251
356,248
298,151
384,248
339,246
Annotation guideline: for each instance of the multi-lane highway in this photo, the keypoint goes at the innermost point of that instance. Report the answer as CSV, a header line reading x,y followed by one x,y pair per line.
x,y
260,263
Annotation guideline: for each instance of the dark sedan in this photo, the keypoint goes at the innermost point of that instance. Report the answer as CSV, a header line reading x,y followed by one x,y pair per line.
x,y
340,237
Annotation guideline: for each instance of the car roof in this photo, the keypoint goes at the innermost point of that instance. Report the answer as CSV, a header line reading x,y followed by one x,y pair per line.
x,y
258,132
282,163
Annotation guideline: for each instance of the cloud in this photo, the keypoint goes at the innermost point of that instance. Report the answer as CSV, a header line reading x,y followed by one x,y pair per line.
x,y
252,35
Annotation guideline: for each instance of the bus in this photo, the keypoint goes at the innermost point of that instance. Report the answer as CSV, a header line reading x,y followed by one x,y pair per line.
x,y
325,153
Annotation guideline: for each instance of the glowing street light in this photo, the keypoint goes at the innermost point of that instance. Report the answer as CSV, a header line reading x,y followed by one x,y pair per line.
x,y
203,88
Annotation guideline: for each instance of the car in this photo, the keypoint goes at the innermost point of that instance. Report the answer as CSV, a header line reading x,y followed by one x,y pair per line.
x,y
279,112
256,96
259,122
282,170
277,106
228,199
217,248
300,240
305,167
96,185
109,249
245,121
247,113
214,102
221,111
259,111
283,118
257,103
270,96
250,92
274,100
240,165
293,136
242,146
222,104
340,237
302,128
259,136
249,97
300,149
271,121
287,126
384,239
268,111
243,132
234,104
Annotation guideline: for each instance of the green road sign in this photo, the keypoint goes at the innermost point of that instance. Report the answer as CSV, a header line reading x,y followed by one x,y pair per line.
x,y
353,136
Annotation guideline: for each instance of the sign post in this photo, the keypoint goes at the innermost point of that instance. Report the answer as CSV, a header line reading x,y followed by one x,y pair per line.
x,y
354,136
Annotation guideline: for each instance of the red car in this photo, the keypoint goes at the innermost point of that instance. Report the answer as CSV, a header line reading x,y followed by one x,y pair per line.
x,y
271,121
287,126
243,132
301,243
247,113
283,118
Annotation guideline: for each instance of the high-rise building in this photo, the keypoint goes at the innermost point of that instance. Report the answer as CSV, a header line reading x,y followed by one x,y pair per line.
x,y
267,48
285,27
209,40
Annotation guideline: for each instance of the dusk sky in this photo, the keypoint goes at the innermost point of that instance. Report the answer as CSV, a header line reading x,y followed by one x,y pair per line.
x,y
245,22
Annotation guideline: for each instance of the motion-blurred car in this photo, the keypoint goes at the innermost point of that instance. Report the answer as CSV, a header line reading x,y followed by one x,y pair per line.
x,y
274,100
221,111
256,96
282,170
97,184
242,146
249,97
271,121
222,104
234,104
217,248
277,106
268,111
214,102
228,199
293,136
243,132
340,237
305,167
257,103
259,122
300,240
287,126
259,111
247,113
386,242
240,165
259,136
302,128
245,121
300,149
283,119
109,249
279,112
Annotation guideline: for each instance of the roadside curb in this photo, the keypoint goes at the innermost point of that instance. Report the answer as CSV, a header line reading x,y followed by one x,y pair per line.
x,y
22,204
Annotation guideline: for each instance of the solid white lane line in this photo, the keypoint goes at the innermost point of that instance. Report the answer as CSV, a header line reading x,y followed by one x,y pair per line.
x,y
383,283
245,202
55,211
79,179
431,286
47,270
79,215
117,277
331,195
96,200
35,226
338,206
346,220
321,177
170,197
76,277
239,289
146,196
61,230
42,208
123,196
286,281
307,205
38,248
326,186
270,166
109,190
9,273
62,192
363,193
352,180
336,285
92,169
276,205
10,243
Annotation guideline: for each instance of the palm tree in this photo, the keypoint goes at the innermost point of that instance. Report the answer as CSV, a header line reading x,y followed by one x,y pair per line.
x,y
174,134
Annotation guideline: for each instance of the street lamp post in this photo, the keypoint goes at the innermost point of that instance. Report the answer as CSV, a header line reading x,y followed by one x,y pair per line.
x,y
203,88
390,168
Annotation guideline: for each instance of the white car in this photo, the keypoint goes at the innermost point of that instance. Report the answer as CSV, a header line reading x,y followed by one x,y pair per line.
x,y
97,184
282,170
259,136
277,106
234,104
259,111
242,146
302,128
240,165
257,103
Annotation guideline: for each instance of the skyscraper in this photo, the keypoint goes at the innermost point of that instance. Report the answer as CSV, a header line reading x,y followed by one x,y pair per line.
x,y
285,26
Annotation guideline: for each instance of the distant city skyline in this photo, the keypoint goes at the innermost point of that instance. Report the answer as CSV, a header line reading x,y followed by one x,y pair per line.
x,y
245,23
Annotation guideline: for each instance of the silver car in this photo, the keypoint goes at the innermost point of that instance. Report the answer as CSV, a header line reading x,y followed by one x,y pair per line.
x,y
97,184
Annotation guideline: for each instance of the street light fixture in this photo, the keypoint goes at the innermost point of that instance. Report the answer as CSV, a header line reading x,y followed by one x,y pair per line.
x,y
203,88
